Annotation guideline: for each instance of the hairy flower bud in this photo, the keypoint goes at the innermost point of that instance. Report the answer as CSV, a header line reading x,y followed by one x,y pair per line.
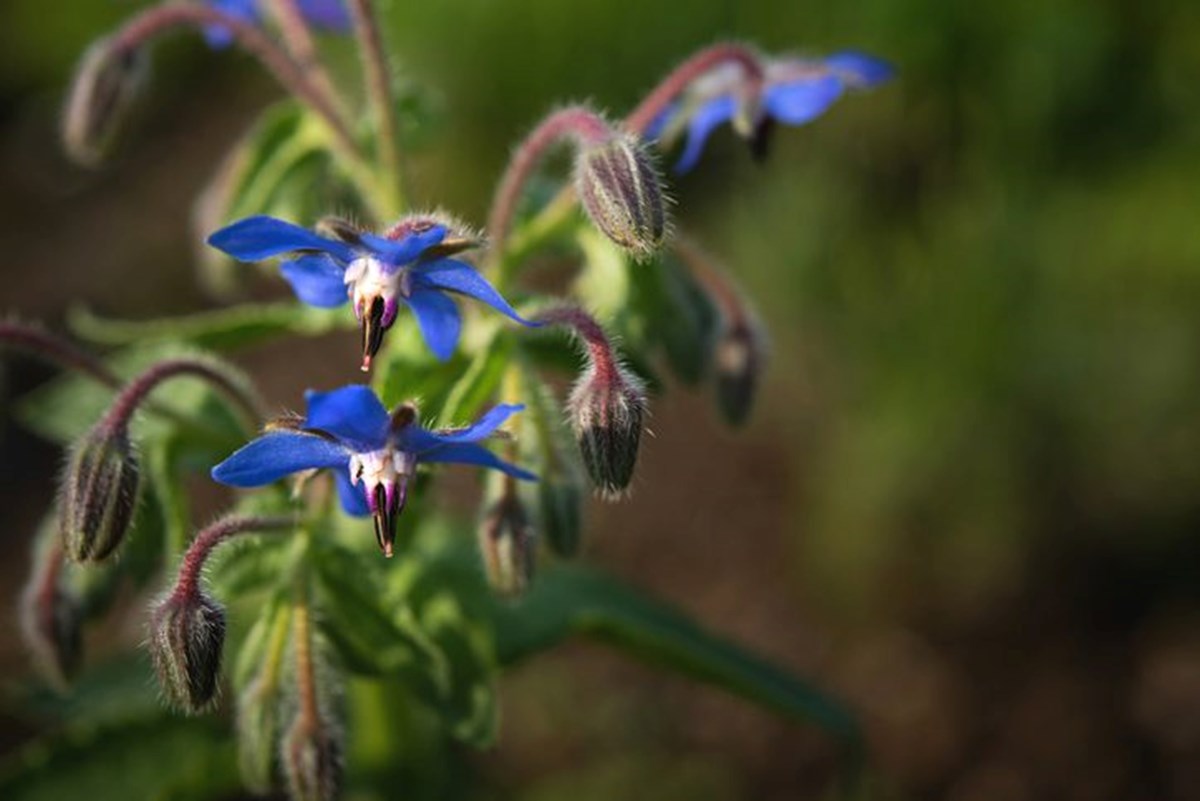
x,y
312,761
622,193
606,407
508,543
106,83
99,493
738,359
187,636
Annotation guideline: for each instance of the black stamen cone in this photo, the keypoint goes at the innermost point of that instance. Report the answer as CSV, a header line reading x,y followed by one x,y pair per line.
x,y
761,138
387,516
372,331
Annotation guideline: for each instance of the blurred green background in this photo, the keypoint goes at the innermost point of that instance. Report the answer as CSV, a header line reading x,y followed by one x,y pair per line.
x,y
969,500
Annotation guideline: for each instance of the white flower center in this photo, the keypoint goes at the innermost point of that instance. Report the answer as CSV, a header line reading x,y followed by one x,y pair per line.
x,y
367,279
380,467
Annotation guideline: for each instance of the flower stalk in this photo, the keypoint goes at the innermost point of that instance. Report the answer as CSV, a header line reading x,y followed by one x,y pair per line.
x,y
379,88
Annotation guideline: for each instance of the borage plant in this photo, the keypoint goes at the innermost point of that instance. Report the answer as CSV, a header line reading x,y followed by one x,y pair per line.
x,y
322,636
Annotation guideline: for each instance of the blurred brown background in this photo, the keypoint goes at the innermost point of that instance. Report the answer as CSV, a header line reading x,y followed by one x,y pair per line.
x,y
968,501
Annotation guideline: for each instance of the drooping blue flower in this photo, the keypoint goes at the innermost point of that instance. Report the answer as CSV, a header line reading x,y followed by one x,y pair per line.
x,y
374,454
794,91
409,264
325,14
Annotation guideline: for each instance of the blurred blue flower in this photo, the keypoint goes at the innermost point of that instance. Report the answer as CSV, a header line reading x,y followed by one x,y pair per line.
x,y
374,454
794,91
327,14
409,264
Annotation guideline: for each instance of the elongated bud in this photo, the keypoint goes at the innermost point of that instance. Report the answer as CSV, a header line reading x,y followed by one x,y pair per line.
x,y
106,83
622,193
738,361
52,616
312,761
507,542
99,493
606,408
187,638
557,497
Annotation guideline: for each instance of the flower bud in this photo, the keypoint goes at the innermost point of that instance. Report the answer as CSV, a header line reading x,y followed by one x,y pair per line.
x,y
508,543
606,410
312,760
738,359
187,636
622,193
106,83
52,617
99,493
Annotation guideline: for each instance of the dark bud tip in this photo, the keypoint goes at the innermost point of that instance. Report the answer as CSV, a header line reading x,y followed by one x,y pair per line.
x,y
106,83
312,761
508,545
187,637
738,360
99,493
607,409
622,192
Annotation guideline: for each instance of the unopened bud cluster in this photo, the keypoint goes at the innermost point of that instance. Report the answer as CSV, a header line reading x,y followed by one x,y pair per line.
x,y
508,543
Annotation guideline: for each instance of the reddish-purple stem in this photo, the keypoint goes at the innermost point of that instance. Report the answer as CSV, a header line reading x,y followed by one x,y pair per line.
x,y
683,75
208,539
38,342
155,20
581,124
590,332
127,401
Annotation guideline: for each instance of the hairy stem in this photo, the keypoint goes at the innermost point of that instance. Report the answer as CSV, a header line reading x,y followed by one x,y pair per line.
x,y
202,546
574,122
716,283
131,397
379,88
291,76
682,76
590,333
298,39
36,341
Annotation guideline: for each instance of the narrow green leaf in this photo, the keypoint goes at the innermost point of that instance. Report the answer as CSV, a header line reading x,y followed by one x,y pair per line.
x,y
220,329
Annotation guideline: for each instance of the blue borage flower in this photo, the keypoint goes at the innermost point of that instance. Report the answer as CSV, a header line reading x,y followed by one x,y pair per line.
x,y
794,91
410,264
327,14
374,454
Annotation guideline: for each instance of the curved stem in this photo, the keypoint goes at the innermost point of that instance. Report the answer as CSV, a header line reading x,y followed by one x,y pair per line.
x,y
38,342
290,75
717,284
202,546
590,333
127,401
298,39
306,682
682,76
581,124
379,87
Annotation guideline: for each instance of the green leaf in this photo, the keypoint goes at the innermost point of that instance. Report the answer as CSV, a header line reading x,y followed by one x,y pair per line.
x,y
478,384
470,706
405,369
153,757
569,600
673,312
221,329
